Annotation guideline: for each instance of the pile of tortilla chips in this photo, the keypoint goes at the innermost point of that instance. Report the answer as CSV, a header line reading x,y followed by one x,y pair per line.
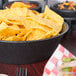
x,y
18,23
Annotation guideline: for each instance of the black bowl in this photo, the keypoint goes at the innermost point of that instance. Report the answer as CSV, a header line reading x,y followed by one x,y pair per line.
x,y
31,2
65,12
27,52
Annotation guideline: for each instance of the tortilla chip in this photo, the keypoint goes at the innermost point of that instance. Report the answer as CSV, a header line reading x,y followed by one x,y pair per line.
x,y
54,17
18,23
19,4
35,34
22,33
7,32
14,38
49,34
35,12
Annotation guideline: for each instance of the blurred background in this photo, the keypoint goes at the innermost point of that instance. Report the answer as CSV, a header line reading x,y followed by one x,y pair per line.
x,y
50,2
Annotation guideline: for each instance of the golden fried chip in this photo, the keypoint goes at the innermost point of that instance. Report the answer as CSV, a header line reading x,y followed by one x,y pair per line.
x,y
3,26
14,15
22,33
49,34
18,23
15,27
35,34
7,21
46,22
35,12
14,38
19,4
7,32
42,15
54,17
30,23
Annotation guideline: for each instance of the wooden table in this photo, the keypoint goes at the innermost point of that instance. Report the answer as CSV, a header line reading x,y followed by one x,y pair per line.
x,y
36,69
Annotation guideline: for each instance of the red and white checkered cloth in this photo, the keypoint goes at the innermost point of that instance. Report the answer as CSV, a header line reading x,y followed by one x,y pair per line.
x,y
50,67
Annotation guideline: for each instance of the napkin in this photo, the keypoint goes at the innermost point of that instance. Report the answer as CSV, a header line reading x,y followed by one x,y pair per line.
x,y
3,75
59,53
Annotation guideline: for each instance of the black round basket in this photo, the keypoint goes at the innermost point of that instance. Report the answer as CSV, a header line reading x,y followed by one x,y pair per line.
x,y
27,52
64,13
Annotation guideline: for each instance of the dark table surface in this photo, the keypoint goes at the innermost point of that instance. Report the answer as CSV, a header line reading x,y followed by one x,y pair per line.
x,y
36,69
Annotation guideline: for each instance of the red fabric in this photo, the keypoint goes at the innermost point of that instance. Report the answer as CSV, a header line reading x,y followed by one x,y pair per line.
x,y
35,69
